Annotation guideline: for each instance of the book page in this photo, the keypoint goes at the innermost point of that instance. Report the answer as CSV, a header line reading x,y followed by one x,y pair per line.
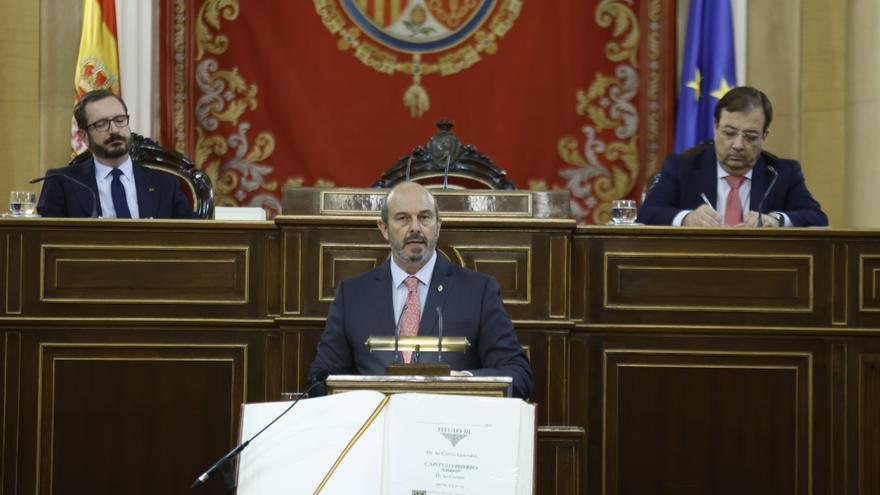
x,y
456,445
295,454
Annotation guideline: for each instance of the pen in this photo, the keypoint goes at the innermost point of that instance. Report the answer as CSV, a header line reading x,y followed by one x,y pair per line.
x,y
706,200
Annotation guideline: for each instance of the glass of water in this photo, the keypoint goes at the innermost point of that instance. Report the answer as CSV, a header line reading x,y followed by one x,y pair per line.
x,y
22,203
623,212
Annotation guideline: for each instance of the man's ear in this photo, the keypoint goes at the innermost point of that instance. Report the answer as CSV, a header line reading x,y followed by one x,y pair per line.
x,y
83,135
382,228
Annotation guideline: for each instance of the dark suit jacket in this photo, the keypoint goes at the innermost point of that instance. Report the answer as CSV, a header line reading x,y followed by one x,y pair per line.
x,y
471,306
158,194
684,177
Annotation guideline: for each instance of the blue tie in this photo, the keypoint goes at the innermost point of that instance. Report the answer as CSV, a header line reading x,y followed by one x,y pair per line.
x,y
117,192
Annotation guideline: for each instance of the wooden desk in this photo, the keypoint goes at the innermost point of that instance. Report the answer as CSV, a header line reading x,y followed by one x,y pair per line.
x,y
128,346
666,360
724,361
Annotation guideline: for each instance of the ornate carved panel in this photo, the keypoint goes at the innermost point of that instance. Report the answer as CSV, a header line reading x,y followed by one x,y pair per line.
x,y
93,394
708,282
144,274
511,266
707,421
869,423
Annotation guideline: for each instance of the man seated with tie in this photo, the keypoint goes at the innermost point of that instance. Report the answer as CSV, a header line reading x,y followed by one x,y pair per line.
x,y
411,288
124,189
734,183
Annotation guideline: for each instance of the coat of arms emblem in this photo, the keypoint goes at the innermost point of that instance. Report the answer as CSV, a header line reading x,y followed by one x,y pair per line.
x,y
419,38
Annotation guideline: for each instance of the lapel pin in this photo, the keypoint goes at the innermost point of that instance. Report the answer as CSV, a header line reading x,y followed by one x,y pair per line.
x,y
151,189
440,288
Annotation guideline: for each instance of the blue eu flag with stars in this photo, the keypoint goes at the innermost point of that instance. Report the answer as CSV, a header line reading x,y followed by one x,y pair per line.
x,y
708,71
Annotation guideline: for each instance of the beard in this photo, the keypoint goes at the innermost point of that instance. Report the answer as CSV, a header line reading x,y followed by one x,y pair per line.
x,y
114,146
420,255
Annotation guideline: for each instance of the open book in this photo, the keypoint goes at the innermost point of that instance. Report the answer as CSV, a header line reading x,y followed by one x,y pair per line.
x,y
368,443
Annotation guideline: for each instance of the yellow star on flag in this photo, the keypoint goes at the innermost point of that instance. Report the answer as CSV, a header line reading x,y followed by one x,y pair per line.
x,y
694,84
721,91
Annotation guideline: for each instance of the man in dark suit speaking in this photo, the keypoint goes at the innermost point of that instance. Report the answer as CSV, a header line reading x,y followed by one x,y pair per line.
x,y
124,189
732,183
411,287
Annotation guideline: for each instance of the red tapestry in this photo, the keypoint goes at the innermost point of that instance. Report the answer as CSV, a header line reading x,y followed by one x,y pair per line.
x,y
562,94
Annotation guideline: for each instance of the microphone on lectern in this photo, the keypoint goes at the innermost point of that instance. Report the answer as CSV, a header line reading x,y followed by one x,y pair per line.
x,y
439,335
320,377
397,335
766,193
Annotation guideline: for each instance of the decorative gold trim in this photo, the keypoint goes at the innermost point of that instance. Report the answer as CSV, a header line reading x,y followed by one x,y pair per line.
x,y
44,346
351,443
456,249
722,256
323,246
863,281
20,274
424,343
719,353
375,195
284,272
140,248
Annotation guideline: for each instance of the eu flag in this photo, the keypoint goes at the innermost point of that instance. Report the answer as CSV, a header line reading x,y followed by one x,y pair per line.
x,y
707,72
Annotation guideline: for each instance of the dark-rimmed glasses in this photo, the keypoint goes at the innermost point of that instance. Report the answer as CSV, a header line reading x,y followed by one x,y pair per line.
x,y
103,125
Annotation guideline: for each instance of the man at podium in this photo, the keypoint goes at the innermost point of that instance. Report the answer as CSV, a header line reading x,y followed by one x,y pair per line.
x,y
412,293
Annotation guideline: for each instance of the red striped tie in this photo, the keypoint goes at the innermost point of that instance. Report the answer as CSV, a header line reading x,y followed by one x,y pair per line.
x,y
409,320
733,210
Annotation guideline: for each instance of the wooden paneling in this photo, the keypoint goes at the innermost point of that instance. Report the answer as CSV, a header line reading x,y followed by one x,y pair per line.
x,y
135,410
685,361
703,278
566,446
707,421
868,379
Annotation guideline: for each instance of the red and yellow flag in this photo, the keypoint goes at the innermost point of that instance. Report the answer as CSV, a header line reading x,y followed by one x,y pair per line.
x,y
97,66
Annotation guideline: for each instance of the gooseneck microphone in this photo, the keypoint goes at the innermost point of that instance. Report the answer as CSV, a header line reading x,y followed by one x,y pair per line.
x,y
397,335
439,335
319,379
446,171
766,193
75,181
409,165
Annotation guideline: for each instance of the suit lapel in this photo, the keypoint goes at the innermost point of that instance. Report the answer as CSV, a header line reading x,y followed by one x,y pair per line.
x,y
147,193
759,184
383,294
441,284
86,175
709,176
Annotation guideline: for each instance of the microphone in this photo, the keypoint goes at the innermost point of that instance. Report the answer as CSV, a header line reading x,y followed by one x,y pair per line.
x,y
75,181
319,379
397,335
439,335
446,171
766,193
409,165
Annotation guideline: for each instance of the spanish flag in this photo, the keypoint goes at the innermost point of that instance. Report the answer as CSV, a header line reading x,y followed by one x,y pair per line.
x,y
97,66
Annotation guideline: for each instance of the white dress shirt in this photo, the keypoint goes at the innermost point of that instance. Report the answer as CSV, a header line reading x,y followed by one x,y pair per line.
x,y
399,290
722,189
104,179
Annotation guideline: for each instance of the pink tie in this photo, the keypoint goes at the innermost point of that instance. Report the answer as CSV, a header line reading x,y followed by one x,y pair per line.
x,y
733,210
409,320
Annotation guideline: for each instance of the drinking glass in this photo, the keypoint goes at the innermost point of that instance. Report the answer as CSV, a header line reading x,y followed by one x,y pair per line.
x,y
623,212
22,203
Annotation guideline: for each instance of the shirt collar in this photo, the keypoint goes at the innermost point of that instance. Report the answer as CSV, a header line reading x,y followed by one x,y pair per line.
x,y
398,275
723,173
103,171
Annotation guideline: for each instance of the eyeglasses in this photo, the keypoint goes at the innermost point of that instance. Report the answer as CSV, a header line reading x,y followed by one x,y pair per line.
x,y
750,137
103,125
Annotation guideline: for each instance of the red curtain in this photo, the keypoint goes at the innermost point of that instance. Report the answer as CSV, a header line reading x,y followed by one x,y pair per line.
x,y
572,94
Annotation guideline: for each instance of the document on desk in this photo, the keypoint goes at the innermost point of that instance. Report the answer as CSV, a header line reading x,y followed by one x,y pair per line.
x,y
368,443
